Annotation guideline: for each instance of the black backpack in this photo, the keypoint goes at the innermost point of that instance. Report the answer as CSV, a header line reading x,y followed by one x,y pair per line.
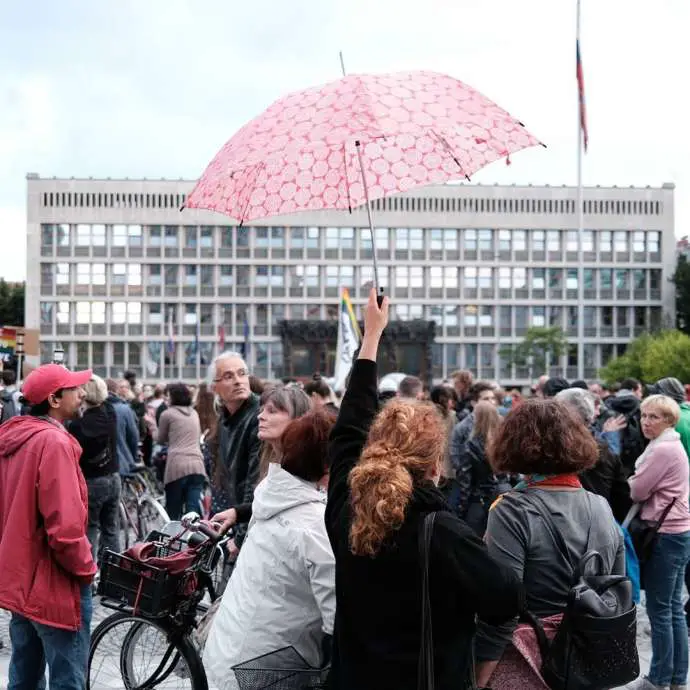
x,y
7,407
632,442
595,647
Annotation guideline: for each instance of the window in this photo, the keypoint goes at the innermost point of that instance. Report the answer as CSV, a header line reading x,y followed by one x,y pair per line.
x,y
98,274
190,237
119,235
450,240
572,279
606,241
520,278
573,244
470,277
436,277
62,235
620,240
638,242
134,274
622,316
190,276
486,316
587,241
606,279
504,281
225,276
47,313
539,316
83,235
436,239
367,276
297,238
655,279
486,353
206,237
485,278
190,315
312,276
119,312
640,278
277,278
331,238
119,274
538,240
47,235
63,312
83,312
471,357
155,236
622,279
226,238
62,277
98,312
653,242
98,235
171,235
118,354
382,238
83,274
98,354
504,241
133,312
313,238
243,237
402,279
553,240
417,239
450,277
470,240
555,278
402,238
155,275
155,314
589,278
470,315
278,238
261,277
519,240
486,240
539,278
134,235
416,277
171,275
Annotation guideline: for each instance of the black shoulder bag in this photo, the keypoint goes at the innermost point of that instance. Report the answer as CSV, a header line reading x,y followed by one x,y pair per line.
x,y
645,533
595,647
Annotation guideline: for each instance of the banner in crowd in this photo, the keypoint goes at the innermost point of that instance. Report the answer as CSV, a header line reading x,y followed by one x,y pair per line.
x,y
348,340
8,343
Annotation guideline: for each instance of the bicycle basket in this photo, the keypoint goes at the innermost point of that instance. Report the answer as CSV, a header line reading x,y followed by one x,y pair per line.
x,y
149,590
284,669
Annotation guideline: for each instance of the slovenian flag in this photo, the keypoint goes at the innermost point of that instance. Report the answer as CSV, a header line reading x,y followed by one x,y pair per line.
x,y
581,96
348,340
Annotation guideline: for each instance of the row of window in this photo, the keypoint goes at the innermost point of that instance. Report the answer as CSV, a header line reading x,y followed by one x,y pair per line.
x,y
346,238
154,361
334,276
208,319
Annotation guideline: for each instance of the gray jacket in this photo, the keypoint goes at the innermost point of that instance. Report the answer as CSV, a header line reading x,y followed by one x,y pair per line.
x,y
518,539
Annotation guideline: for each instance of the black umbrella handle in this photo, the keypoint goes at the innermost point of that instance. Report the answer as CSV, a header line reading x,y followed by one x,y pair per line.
x,y
379,297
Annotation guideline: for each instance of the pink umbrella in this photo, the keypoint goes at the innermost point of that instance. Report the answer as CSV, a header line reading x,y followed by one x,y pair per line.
x,y
359,138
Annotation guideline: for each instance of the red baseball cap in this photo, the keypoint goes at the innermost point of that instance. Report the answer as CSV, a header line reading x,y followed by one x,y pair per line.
x,y
50,378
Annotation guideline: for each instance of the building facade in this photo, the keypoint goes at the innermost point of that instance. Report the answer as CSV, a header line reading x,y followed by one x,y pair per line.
x,y
120,278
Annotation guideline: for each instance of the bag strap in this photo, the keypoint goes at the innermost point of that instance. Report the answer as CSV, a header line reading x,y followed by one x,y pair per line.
x,y
664,515
425,669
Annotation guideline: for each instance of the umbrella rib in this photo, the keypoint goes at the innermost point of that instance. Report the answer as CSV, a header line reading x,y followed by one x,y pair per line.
x,y
347,181
259,166
448,148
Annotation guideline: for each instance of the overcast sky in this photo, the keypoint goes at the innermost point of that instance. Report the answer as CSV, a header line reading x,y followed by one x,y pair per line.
x,y
153,88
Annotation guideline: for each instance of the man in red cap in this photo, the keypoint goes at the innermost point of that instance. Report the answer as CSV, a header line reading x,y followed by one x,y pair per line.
x,y
47,567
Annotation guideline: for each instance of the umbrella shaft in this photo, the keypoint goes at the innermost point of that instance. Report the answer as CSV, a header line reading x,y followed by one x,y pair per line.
x,y
377,285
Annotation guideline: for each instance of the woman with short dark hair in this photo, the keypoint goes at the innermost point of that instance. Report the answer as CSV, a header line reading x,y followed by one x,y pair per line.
x,y
180,430
549,443
282,590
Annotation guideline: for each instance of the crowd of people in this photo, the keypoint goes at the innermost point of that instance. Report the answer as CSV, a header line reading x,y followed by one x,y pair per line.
x,y
327,498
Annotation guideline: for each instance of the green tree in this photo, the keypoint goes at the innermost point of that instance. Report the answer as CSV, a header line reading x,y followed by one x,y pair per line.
x,y
681,279
539,346
11,303
629,365
668,354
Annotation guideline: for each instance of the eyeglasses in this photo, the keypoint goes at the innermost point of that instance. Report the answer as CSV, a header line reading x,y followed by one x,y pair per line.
x,y
232,375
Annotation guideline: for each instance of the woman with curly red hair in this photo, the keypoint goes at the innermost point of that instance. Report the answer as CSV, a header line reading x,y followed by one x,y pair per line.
x,y
383,474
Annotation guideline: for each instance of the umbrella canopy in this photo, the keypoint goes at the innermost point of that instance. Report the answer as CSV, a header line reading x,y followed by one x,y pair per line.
x,y
309,150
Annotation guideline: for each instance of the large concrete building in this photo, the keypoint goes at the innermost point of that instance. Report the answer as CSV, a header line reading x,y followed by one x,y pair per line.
x,y
120,278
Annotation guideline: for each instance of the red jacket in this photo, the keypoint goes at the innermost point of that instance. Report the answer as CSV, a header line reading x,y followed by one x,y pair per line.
x,y
44,551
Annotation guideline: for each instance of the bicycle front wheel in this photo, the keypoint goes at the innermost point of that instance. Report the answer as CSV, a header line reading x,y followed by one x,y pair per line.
x,y
129,651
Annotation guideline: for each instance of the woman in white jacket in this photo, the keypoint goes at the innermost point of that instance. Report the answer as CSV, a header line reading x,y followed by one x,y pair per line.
x,y
282,590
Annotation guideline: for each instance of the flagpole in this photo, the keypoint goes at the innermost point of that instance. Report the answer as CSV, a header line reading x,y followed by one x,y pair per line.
x,y
580,227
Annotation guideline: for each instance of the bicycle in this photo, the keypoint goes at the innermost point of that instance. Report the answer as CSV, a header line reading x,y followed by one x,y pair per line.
x,y
140,511
160,596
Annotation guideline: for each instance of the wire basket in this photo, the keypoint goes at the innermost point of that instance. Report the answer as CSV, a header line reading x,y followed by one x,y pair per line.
x,y
284,669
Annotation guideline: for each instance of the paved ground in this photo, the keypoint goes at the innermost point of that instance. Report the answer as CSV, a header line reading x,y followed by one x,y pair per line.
x,y
644,641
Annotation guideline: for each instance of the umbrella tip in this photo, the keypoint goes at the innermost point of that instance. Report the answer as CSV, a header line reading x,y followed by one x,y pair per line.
x,y
183,207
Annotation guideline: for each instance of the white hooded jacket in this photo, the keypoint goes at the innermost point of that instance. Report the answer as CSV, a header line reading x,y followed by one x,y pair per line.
x,y
282,590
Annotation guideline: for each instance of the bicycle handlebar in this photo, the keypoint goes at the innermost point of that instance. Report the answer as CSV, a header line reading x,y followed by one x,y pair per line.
x,y
194,523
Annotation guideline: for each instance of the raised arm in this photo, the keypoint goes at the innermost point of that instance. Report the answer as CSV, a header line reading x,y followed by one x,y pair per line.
x,y
360,403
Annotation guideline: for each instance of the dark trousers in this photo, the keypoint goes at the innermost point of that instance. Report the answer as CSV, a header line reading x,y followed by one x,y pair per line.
x,y
184,495
104,513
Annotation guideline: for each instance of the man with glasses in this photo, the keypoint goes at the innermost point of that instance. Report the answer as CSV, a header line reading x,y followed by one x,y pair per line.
x,y
47,566
236,467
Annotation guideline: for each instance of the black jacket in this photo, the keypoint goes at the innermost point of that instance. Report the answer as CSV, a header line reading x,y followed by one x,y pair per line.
x,y
95,430
238,446
378,613
608,479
